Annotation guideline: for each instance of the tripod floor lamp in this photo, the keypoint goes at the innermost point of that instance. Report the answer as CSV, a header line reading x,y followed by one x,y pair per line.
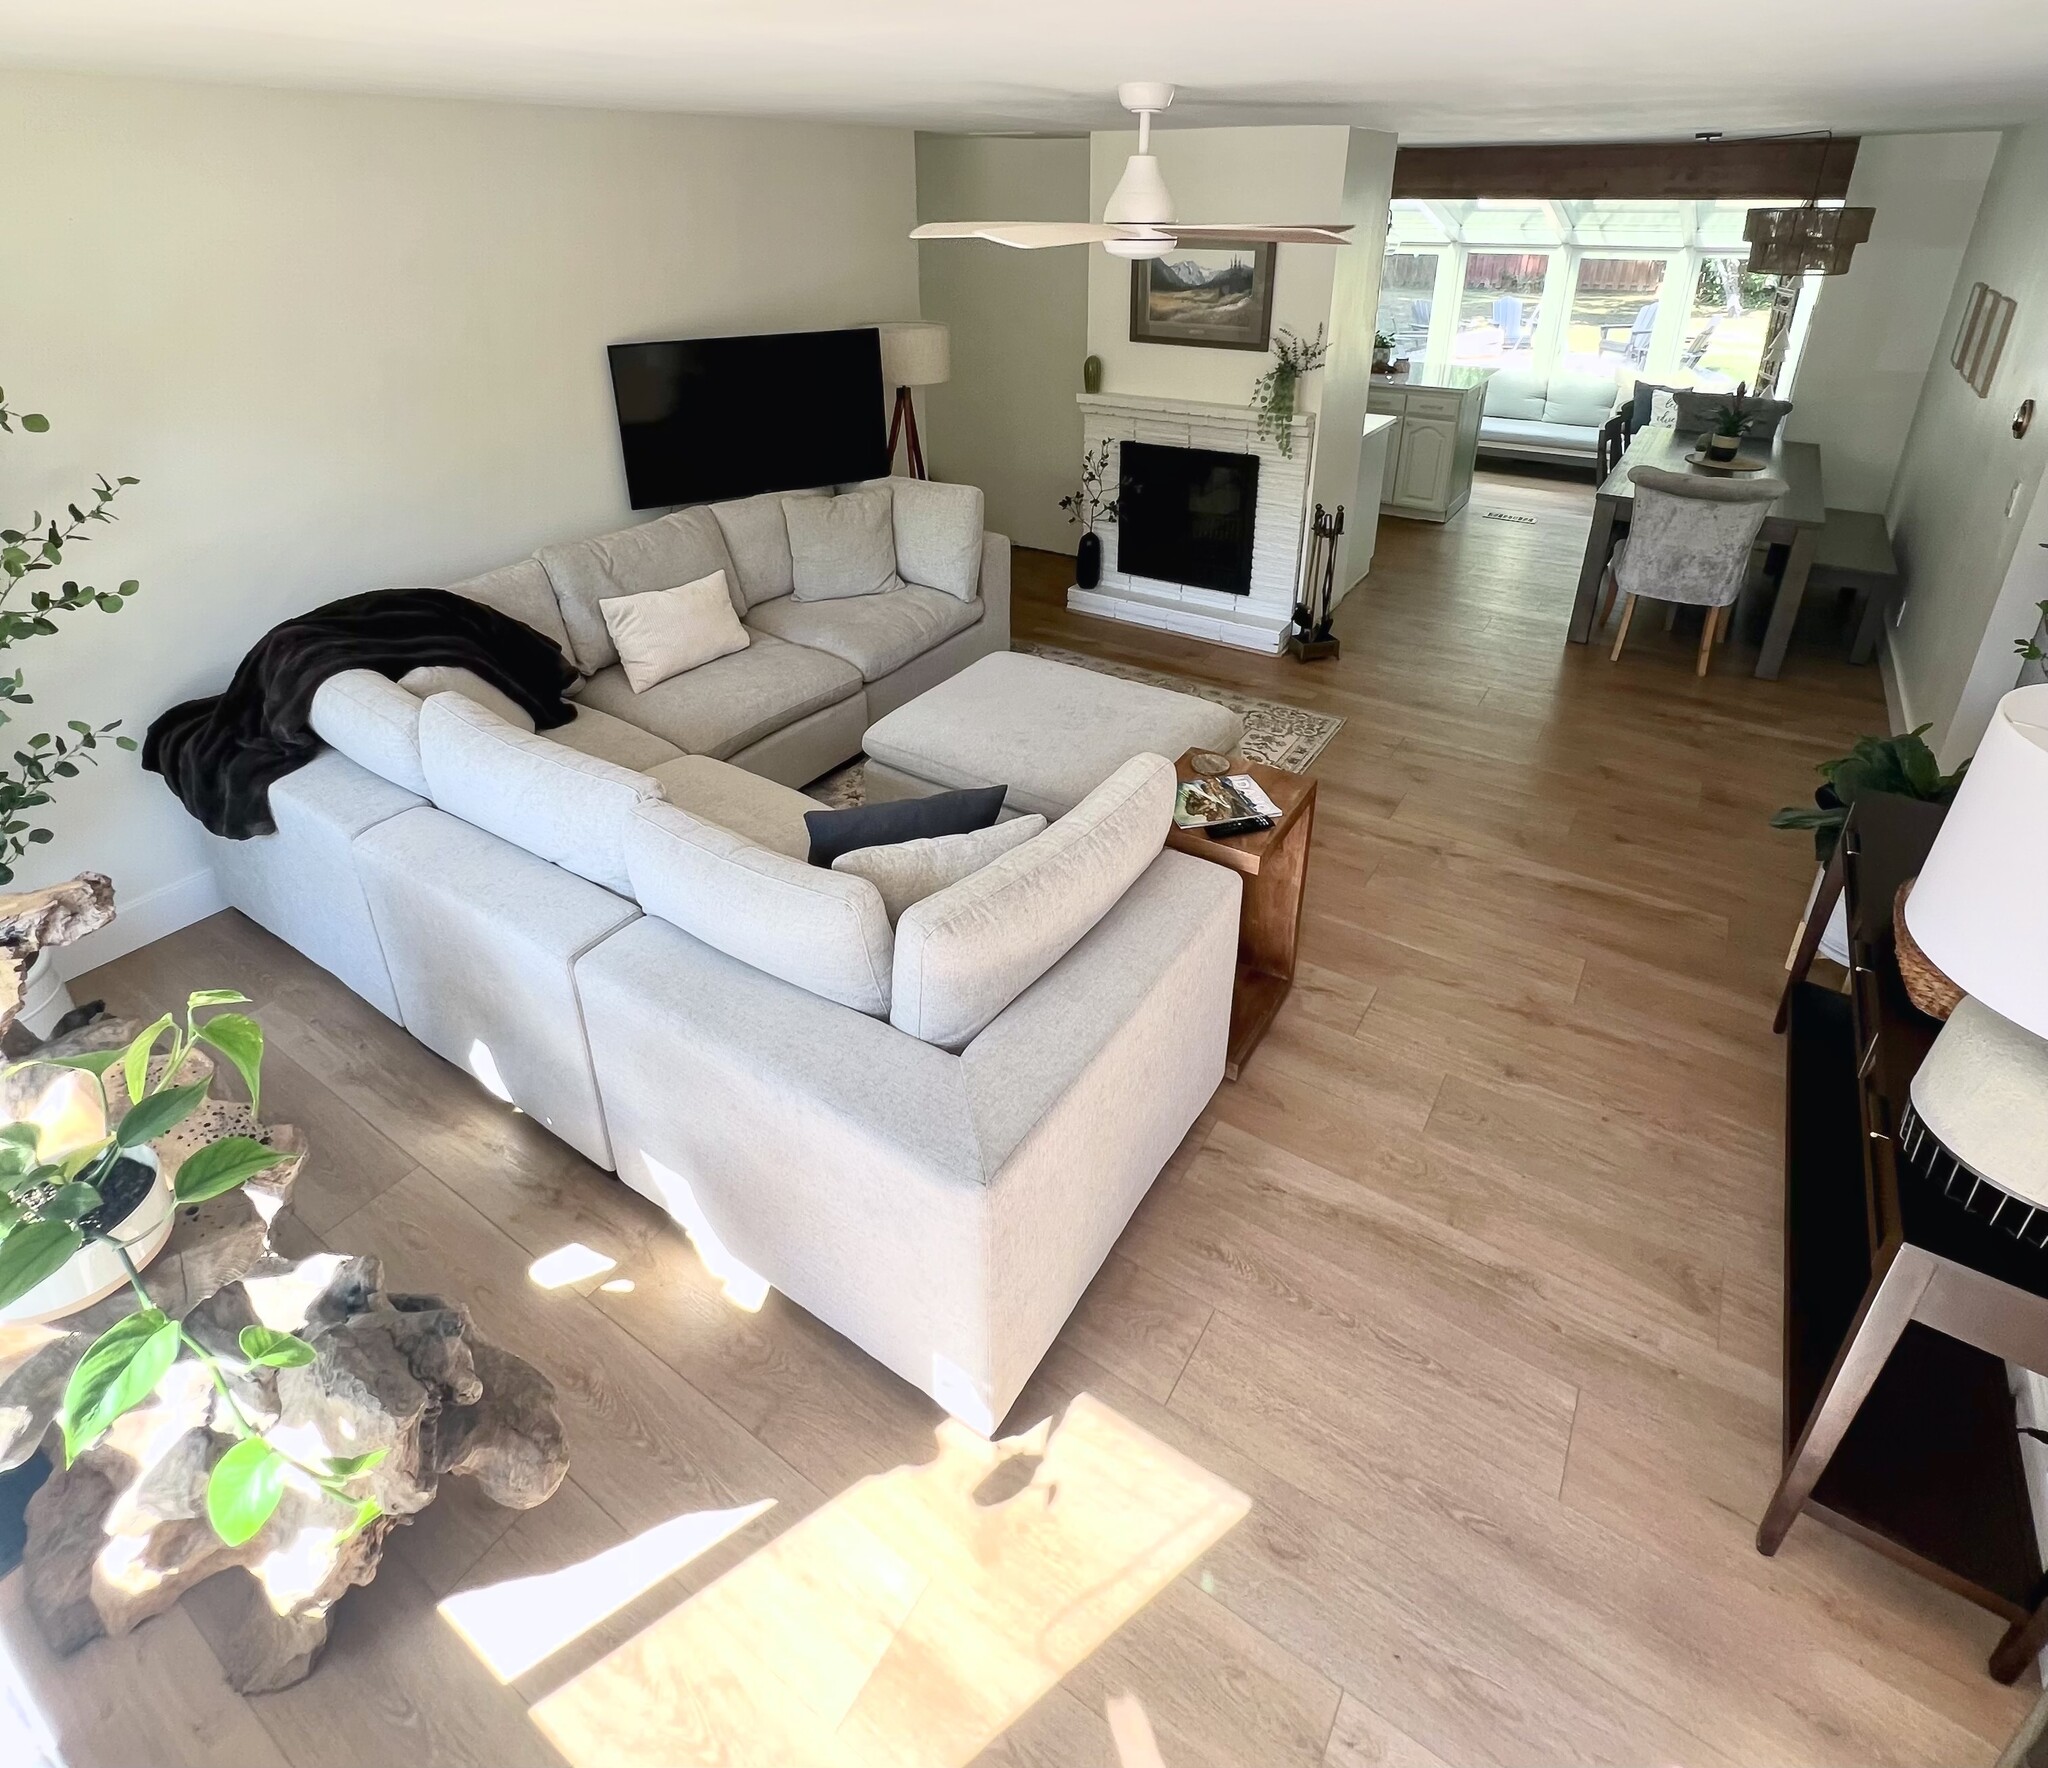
x,y
915,353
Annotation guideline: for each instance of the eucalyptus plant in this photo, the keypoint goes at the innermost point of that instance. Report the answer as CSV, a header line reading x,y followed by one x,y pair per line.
x,y
1088,505
48,1214
47,758
1274,394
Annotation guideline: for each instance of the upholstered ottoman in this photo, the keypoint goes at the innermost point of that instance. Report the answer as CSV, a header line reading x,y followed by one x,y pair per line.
x,y
1050,732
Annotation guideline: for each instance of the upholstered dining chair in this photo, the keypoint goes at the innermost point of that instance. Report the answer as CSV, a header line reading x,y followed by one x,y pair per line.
x,y
1689,541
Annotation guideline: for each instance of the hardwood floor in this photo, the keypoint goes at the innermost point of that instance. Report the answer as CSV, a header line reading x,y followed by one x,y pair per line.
x,y
1469,1284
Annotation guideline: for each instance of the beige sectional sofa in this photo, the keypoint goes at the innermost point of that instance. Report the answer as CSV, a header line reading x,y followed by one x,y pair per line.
x,y
929,1132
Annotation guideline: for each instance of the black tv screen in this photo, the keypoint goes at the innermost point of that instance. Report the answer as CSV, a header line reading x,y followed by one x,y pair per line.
x,y
708,418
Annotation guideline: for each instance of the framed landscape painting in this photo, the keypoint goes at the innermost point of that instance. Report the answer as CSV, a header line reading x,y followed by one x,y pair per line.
x,y
1218,294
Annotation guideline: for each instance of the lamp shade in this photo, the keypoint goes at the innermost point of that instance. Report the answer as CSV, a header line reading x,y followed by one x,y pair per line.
x,y
915,353
1979,908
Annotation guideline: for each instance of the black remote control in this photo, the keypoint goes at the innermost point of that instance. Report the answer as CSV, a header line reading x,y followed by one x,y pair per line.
x,y
1245,825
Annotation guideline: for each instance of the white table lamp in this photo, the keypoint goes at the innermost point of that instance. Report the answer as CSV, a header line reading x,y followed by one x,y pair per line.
x,y
915,353
1979,910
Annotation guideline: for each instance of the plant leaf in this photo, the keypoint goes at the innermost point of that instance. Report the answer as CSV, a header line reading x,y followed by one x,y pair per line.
x,y
116,1375
92,1061
240,1039
243,1489
348,1466
72,1202
158,1113
22,1135
221,1166
275,1350
367,1512
31,1252
135,1059
214,997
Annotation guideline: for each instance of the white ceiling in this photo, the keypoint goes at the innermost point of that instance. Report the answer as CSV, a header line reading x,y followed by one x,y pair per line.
x,y
1479,70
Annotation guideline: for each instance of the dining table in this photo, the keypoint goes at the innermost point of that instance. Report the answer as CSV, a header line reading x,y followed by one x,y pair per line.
x,y
1793,521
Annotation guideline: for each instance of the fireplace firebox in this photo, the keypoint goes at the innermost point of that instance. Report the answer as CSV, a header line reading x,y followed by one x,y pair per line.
x,y
1185,515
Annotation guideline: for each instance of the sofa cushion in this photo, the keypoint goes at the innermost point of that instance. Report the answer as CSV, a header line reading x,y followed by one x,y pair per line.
x,y
661,633
909,871
524,592
374,722
592,732
877,634
430,679
726,705
672,549
555,802
938,534
834,832
758,539
818,930
768,814
966,953
1511,432
1580,399
841,546
1514,392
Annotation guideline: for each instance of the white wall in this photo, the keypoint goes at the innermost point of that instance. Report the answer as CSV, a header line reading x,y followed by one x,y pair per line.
x,y
348,342
1872,333
1006,419
1965,489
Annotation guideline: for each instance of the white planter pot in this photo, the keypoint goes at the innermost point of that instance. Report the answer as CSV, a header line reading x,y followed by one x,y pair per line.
x,y
44,998
95,1270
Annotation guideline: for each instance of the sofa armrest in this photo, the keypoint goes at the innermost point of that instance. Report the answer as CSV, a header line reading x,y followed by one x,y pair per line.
x,y
994,586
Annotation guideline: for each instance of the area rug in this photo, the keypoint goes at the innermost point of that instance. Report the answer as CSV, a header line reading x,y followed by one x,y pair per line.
x,y
1282,736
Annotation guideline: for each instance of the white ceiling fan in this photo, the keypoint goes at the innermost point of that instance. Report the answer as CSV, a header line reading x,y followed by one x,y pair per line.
x,y
1138,220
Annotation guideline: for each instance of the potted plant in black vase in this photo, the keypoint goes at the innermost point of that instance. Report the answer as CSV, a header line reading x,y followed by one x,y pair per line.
x,y
1733,422
1089,506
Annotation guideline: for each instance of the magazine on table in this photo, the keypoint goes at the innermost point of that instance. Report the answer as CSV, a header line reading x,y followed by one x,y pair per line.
x,y
1229,798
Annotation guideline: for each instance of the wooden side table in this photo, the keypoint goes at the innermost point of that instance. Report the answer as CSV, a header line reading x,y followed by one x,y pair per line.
x,y
1274,866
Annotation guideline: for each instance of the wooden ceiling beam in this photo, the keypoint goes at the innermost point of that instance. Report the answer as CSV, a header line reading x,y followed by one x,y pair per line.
x,y
1694,171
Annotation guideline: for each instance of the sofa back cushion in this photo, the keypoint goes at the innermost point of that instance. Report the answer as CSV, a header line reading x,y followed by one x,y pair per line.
x,y
906,872
661,554
374,722
938,535
524,592
842,546
1585,400
758,539
1515,392
430,679
966,952
818,930
564,806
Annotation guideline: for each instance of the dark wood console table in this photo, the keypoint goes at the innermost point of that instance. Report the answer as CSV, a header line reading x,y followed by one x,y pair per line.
x,y
1902,1307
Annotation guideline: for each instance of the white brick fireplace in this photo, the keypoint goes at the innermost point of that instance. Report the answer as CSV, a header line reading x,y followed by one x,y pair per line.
x,y
1254,622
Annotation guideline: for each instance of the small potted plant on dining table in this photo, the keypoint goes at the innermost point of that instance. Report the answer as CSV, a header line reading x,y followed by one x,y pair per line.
x,y
1732,422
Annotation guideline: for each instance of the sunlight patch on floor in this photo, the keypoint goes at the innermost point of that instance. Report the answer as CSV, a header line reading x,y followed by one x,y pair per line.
x,y
573,1263
514,1625
906,1624
744,1287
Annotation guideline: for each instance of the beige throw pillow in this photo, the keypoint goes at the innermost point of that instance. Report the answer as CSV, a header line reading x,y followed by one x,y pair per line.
x,y
663,632
908,871
842,546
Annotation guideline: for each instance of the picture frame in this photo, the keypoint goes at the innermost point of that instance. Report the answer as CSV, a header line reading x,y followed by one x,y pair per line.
x,y
1214,296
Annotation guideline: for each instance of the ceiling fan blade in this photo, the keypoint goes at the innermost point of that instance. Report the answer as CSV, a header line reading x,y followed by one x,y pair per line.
x,y
1030,235
1287,233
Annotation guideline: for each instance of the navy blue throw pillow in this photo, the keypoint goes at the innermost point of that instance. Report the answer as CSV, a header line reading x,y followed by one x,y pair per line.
x,y
834,832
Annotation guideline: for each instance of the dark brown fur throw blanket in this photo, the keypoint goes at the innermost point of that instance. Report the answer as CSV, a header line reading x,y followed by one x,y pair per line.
x,y
219,755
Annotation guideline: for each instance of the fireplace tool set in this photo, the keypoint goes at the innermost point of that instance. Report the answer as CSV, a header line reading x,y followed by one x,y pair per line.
x,y
1311,639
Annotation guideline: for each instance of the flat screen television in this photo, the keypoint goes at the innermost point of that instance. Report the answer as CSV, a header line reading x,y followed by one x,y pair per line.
x,y
708,418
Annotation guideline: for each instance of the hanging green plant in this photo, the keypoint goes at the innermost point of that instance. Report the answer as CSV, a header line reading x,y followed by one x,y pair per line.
x,y
1278,389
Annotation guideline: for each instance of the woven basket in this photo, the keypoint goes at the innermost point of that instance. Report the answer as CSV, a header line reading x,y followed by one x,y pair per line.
x,y
1926,987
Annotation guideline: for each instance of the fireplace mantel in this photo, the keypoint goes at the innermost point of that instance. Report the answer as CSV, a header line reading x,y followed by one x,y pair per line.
x,y
1257,621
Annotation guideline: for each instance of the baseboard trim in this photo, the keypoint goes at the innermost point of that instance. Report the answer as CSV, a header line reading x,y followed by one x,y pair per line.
x,y
143,920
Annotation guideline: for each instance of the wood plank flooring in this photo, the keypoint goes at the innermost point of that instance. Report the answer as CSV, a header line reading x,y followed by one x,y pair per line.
x,y
1470,1283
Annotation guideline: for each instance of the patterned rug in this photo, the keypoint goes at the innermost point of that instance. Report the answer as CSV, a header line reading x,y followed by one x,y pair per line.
x,y
1282,736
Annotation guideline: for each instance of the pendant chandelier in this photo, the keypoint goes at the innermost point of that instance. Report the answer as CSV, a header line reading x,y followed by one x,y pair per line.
x,y
1806,240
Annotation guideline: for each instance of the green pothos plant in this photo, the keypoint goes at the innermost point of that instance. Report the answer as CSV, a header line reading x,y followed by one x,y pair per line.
x,y
39,764
2029,648
49,1210
1275,393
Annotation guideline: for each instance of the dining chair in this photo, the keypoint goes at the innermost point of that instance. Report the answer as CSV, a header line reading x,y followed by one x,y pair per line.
x,y
1689,541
